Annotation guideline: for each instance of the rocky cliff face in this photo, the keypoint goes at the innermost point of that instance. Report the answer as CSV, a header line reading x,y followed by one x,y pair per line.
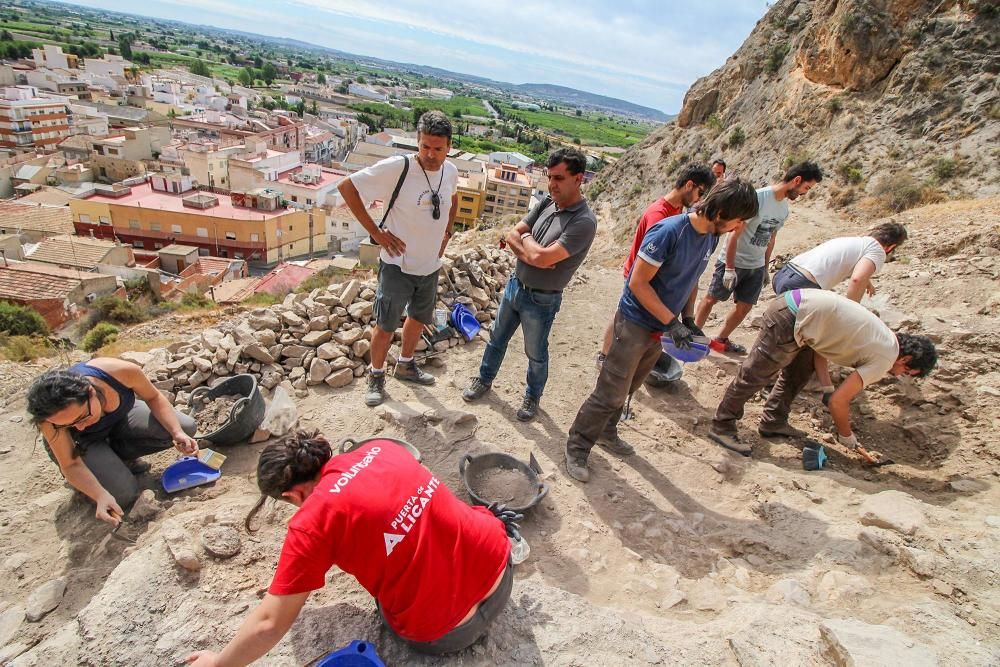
x,y
867,88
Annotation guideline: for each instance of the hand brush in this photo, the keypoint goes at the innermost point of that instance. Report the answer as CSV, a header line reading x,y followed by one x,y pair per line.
x,y
813,457
211,458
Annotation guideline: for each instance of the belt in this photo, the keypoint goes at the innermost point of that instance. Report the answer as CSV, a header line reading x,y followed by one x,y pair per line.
x,y
535,289
793,299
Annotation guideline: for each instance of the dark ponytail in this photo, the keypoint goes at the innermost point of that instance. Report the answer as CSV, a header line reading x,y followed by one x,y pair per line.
x,y
296,458
54,390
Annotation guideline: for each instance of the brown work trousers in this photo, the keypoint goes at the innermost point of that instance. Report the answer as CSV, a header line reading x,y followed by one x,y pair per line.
x,y
634,351
775,351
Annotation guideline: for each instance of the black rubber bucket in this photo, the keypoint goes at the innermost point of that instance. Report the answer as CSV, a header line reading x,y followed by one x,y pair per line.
x,y
247,412
474,469
350,444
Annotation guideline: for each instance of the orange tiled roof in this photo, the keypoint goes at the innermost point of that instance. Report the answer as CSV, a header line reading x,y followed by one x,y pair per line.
x,y
28,286
32,217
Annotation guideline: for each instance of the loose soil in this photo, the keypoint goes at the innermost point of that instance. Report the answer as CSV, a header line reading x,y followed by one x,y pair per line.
x,y
680,554
508,487
214,414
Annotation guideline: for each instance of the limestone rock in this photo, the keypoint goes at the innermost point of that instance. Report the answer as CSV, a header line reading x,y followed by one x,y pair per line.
x,y
836,585
10,623
314,338
361,348
340,378
258,353
221,541
137,358
853,643
894,510
180,546
44,599
292,320
318,370
145,507
789,591
349,337
294,351
351,291
361,310
211,338
264,319
329,351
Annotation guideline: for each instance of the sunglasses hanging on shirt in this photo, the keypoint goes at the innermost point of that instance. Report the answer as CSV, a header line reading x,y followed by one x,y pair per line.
x,y
435,197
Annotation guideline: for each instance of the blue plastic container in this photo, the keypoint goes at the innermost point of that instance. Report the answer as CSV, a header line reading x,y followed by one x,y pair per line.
x,y
187,472
355,654
699,349
463,320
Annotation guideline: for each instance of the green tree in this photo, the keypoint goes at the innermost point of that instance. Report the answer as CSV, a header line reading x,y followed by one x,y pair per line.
x,y
199,68
258,62
321,79
125,47
111,35
19,320
6,36
246,76
314,109
300,108
268,73
579,112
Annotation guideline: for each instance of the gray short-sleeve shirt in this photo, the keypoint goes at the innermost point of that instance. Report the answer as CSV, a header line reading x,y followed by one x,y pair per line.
x,y
573,227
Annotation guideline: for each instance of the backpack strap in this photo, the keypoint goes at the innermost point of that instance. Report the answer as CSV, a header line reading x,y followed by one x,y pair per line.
x,y
395,192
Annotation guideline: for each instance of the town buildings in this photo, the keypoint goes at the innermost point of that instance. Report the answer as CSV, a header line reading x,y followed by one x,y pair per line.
x,y
29,122
508,192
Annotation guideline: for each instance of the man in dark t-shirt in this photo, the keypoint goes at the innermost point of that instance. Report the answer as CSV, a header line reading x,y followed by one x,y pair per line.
x,y
674,254
550,244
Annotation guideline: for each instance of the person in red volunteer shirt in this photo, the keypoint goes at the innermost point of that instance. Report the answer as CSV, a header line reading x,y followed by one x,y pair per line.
x,y
439,569
694,180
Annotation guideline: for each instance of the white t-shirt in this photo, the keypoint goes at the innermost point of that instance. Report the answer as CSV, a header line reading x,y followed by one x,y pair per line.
x,y
846,333
833,262
751,246
410,218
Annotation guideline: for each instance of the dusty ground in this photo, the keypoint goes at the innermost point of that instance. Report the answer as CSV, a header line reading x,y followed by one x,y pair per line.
x,y
682,554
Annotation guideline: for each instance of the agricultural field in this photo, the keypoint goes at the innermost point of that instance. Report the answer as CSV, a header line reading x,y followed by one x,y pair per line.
x,y
592,129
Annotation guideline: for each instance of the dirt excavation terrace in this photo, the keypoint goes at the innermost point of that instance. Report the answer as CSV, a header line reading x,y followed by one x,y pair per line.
x,y
681,554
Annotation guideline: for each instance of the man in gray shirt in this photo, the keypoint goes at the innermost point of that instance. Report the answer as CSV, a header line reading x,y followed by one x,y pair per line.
x,y
550,244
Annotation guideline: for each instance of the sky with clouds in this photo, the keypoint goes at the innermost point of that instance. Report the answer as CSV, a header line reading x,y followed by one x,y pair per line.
x,y
643,51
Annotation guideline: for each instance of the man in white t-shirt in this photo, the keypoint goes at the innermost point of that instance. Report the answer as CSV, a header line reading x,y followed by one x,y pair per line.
x,y
741,268
829,264
802,323
416,230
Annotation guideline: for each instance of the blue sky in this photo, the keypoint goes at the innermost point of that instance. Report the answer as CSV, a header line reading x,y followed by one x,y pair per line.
x,y
644,51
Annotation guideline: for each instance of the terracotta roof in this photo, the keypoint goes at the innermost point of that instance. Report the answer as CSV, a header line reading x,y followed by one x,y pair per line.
x,y
283,279
34,217
53,270
27,286
79,251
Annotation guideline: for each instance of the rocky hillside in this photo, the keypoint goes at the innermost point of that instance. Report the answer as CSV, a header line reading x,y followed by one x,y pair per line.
x,y
869,88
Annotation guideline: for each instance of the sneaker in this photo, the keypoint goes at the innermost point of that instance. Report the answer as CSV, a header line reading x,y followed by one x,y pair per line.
x,y
723,345
476,390
376,389
410,372
616,445
528,409
576,466
137,466
783,430
731,442
601,358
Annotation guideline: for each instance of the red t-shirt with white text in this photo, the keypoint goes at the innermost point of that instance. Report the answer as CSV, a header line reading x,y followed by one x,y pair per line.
x,y
658,211
377,514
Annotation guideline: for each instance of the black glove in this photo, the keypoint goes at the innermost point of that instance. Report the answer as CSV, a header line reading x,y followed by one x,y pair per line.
x,y
510,519
680,334
688,321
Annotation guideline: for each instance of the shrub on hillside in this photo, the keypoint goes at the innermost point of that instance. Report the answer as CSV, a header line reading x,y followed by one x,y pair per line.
x,y
898,192
945,168
850,172
99,336
115,309
737,137
776,57
21,320
24,348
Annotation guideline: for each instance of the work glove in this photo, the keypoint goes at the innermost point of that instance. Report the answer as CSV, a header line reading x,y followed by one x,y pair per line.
x,y
849,441
688,321
729,279
511,519
679,334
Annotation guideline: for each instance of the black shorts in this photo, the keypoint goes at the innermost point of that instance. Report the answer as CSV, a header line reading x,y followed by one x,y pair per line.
x,y
398,291
749,283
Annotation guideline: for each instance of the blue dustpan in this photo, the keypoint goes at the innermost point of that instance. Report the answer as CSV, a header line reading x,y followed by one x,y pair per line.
x,y
355,654
696,352
187,472
463,320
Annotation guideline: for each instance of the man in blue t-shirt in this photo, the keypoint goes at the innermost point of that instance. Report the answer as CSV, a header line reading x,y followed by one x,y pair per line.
x,y
673,255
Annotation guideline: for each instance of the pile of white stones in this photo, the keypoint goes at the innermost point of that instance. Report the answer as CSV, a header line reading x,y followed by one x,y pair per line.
x,y
318,337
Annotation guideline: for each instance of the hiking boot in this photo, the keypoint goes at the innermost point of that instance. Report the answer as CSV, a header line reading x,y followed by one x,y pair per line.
x,y
723,345
528,409
137,466
375,393
601,358
476,390
576,466
731,442
410,372
616,445
780,430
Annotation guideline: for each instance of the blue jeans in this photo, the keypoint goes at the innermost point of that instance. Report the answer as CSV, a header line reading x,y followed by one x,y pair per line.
x,y
534,312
